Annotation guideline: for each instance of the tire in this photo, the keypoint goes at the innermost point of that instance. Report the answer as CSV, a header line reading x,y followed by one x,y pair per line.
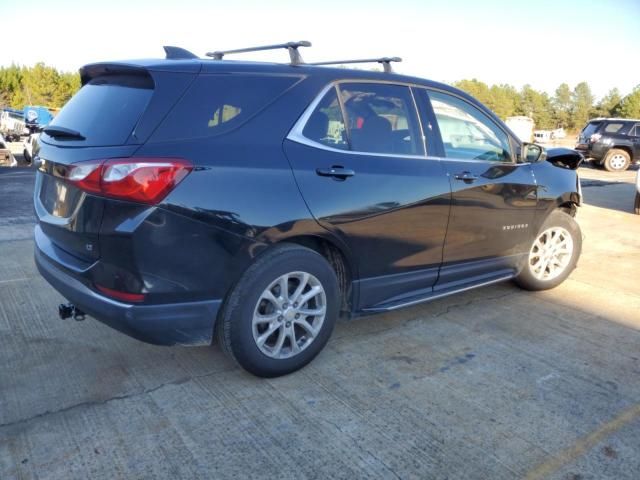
x,y
27,158
240,326
636,206
616,160
538,275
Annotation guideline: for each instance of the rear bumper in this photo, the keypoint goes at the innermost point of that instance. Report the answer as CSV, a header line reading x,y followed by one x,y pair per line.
x,y
186,323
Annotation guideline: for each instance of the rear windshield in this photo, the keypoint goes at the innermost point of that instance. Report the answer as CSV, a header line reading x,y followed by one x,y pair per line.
x,y
218,103
106,109
590,129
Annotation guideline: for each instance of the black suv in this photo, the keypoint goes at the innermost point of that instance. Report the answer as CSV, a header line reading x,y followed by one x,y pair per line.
x,y
611,142
182,199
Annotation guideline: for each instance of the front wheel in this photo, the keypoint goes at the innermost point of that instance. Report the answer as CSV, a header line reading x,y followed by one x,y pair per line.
x,y
281,313
636,206
553,254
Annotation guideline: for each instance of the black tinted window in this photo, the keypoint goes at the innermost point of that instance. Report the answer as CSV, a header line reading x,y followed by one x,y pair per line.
x,y
381,118
216,104
466,132
590,129
106,109
637,131
326,124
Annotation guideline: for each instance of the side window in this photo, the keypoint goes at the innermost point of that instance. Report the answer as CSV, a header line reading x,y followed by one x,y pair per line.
x,y
381,118
637,134
218,103
613,127
467,133
326,125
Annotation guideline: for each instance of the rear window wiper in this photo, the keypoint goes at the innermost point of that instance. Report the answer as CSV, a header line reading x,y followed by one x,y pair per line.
x,y
63,132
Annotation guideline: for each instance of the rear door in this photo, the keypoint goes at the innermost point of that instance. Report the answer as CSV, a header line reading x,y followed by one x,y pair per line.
x,y
358,155
493,197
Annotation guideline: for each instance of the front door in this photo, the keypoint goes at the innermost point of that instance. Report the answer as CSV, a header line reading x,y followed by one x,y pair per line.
x,y
358,155
493,196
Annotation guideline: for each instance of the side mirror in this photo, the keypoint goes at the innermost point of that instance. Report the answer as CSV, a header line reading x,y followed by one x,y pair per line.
x,y
532,153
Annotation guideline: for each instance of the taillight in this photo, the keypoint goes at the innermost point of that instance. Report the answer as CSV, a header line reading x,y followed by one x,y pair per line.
x,y
122,296
144,180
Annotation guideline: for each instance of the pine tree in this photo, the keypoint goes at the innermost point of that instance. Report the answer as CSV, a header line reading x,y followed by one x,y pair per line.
x,y
581,105
630,105
609,104
562,106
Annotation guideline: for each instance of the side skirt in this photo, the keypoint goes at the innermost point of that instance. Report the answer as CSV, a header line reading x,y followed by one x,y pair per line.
x,y
407,302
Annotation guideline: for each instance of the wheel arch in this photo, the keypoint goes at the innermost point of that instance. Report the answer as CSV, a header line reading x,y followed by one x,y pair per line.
x,y
337,256
626,148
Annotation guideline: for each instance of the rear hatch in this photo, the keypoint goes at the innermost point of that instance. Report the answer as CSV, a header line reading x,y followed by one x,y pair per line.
x,y
585,134
113,113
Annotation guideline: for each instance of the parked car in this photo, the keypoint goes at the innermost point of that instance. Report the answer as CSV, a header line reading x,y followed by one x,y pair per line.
x,y
182,199
6,157
542,136
611,142
30,147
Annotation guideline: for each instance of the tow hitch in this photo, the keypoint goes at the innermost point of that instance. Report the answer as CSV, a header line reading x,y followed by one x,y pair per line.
x,y
68,310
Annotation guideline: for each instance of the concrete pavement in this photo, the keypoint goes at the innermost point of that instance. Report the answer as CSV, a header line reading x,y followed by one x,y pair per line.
x,y
492,383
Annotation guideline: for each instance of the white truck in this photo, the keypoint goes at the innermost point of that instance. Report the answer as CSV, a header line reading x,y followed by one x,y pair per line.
x,y
522,126
12,125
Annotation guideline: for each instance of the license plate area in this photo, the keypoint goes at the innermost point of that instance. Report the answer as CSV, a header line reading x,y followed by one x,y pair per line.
x,y
58,197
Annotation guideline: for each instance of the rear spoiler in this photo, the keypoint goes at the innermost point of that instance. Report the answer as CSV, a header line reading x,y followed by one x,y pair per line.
x,y
138,67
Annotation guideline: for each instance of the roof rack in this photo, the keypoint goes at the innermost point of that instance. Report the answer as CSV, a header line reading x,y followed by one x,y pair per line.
x,y
292,47
385,61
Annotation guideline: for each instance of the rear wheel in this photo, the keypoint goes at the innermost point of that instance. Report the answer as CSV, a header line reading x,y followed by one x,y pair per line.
x,y
281,313
553,254
616,160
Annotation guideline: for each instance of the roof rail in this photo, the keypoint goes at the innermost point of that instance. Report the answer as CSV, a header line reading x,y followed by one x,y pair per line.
x,y
385,61
176,53
296,58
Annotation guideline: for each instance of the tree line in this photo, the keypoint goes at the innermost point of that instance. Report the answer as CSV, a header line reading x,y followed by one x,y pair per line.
x,y
567,108
37,85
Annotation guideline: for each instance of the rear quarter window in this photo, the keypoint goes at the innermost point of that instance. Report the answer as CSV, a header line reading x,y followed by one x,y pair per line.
x,y
218,103
613,127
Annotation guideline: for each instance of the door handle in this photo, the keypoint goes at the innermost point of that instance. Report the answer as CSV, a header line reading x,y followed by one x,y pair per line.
x,y
336,172
466,177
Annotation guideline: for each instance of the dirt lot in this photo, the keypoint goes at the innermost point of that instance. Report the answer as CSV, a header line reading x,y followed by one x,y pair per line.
x,y
489,384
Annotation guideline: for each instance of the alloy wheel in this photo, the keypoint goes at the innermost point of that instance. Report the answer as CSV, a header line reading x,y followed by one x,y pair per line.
x,y
551,253
289,315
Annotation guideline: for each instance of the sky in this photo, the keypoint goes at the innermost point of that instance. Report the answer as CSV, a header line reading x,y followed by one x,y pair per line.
x,y
538,42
